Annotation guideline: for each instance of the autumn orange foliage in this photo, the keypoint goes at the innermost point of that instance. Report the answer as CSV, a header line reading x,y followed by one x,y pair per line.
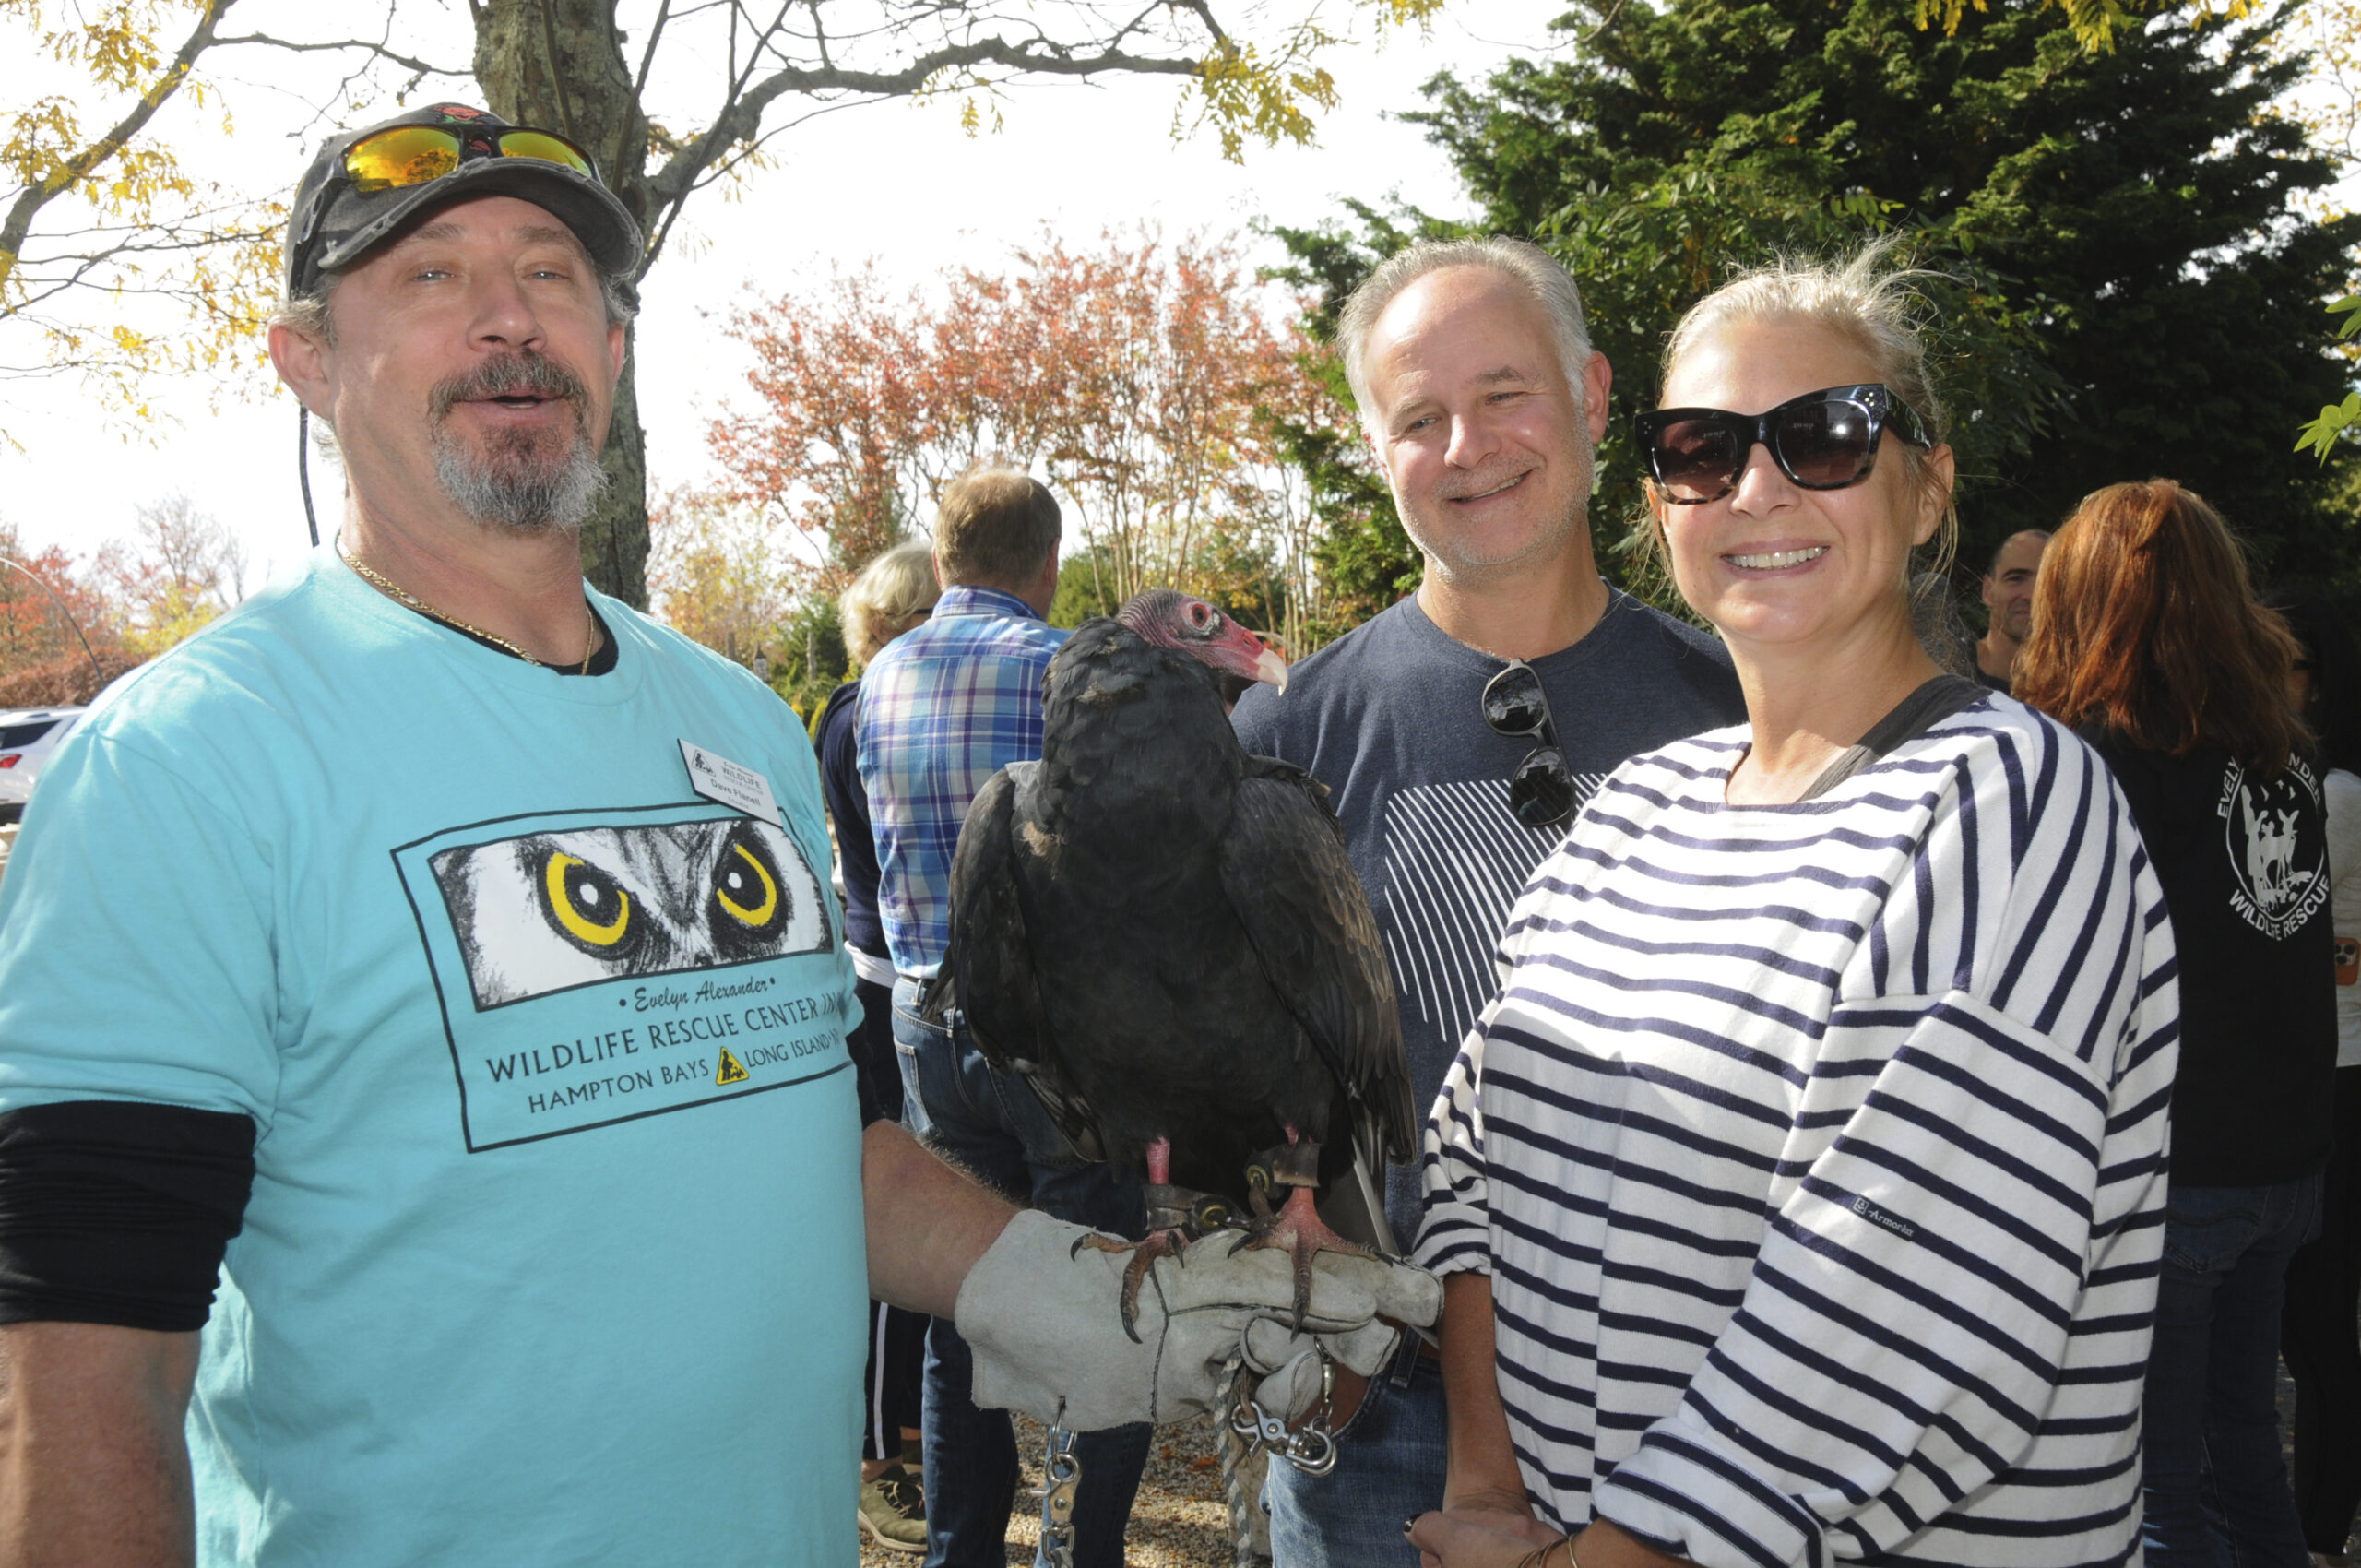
x,y
68,624
34,631
1137,378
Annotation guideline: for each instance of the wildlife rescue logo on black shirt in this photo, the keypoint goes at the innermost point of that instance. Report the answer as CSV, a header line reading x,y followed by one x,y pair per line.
x,y
2271,832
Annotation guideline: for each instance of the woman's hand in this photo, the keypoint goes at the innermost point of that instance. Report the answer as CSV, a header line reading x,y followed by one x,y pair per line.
x,y
1501,1509
1461,1536
1481,1537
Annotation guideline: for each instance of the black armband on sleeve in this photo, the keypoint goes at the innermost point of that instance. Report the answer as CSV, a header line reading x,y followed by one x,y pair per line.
x,y
118,1212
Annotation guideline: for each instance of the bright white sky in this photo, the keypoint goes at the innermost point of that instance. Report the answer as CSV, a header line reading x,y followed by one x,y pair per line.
x,y
893,182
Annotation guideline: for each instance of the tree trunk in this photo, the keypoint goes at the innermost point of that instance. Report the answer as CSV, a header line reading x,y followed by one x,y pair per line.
x,y
558,65
614,537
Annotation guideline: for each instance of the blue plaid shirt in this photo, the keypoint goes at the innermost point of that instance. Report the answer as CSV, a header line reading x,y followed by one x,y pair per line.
x,y
943,709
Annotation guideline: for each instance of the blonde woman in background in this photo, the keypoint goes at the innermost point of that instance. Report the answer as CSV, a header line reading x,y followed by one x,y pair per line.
x,y
894,592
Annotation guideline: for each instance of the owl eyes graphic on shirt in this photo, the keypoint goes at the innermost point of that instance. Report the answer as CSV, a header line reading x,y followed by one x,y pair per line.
x,y
549,912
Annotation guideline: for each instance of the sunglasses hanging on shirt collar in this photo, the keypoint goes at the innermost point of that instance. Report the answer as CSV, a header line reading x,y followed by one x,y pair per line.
x,y
1824,440
1541,790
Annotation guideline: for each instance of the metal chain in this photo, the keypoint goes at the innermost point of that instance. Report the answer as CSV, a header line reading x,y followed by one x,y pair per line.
x,y
1061,1475
409,600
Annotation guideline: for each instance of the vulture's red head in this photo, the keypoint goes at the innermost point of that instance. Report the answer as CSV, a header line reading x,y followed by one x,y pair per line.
x,y
1172,619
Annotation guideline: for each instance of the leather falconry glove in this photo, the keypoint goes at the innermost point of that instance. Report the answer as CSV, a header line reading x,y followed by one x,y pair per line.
x,y
1043,1320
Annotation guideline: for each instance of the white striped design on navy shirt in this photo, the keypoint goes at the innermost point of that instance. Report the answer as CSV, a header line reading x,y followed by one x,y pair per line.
x,y
1455,858
1817,1155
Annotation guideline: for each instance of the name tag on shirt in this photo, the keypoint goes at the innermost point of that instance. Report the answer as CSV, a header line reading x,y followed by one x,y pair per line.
x,y
738,786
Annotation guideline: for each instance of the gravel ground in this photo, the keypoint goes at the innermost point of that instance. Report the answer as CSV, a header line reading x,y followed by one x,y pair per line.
x,y
1179,1520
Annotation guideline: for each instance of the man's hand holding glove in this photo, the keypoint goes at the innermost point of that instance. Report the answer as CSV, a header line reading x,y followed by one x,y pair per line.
x,y
1045,1325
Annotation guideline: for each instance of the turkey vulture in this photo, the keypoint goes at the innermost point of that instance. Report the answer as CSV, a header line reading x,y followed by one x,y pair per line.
x,y
1166,937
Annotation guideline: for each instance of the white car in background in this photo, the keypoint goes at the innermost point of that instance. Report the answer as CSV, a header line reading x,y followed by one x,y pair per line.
x,y
28,736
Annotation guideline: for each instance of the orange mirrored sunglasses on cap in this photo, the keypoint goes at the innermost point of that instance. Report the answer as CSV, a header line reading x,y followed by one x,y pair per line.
x,y
412,155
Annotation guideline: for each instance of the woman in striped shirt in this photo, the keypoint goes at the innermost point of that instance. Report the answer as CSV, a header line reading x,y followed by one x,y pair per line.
x,y
1799,1194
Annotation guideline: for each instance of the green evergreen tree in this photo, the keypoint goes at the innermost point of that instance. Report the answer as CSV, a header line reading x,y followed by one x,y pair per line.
x,y
2132,289
1366,558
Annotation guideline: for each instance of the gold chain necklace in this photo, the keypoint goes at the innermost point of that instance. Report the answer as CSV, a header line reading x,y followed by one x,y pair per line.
x,y
403,597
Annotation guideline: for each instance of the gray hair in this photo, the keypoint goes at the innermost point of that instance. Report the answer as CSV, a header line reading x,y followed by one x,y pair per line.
x,y
308,313
891,591
1520,261
500,491
1860,297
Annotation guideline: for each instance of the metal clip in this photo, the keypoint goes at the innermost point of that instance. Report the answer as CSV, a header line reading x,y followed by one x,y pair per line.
x,y
1313,1451
1258,1426
1310,1448
1061,1475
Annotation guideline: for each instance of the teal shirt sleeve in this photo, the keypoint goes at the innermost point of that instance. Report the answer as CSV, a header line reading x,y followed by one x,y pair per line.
x,y
137,941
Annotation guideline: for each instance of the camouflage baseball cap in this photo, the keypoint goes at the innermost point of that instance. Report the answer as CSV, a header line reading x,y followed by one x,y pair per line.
x,y
335,223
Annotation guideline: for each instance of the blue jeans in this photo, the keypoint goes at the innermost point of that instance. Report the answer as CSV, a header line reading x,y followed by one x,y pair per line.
x,y
996,1129
1390,1460
2216,1489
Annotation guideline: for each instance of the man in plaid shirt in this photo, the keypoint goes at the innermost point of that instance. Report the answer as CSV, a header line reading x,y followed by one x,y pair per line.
x,y
943,709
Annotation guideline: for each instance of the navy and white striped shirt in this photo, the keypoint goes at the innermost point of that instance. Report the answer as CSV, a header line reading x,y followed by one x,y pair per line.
x,y
1817,1155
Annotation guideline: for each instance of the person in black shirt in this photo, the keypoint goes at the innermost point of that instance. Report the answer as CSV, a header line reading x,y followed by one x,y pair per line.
x,y
2147,636
2315,1328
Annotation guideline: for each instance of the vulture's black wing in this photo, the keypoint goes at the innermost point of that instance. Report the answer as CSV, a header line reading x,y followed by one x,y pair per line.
x,y
990,956
1284,867
990,963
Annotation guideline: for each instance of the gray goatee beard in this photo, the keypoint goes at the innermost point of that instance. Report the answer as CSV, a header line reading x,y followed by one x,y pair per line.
x,y
517,484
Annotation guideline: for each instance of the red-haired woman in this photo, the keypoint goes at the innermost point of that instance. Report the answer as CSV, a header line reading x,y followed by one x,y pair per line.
x,y
2147,638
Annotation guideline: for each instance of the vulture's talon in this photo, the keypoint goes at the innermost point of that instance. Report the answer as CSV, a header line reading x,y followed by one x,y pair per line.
x,y
1297,1229
1160,1244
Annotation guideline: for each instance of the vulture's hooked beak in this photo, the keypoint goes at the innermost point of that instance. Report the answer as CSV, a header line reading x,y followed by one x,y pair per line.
x,y
1238,652
1272,669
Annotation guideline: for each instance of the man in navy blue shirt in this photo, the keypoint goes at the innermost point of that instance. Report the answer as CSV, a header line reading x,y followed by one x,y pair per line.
x,y
1461,729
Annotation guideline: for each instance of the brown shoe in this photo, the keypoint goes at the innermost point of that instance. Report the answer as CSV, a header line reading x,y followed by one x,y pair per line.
x,y
893,1512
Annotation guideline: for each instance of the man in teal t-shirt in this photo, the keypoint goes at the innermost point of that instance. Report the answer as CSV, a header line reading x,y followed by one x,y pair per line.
x,y
513,1210
434,959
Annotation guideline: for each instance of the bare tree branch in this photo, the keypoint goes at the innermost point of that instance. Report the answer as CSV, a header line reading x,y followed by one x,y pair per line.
x,y
706,148
741,119
422,68
557,75
1204,13
647,56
